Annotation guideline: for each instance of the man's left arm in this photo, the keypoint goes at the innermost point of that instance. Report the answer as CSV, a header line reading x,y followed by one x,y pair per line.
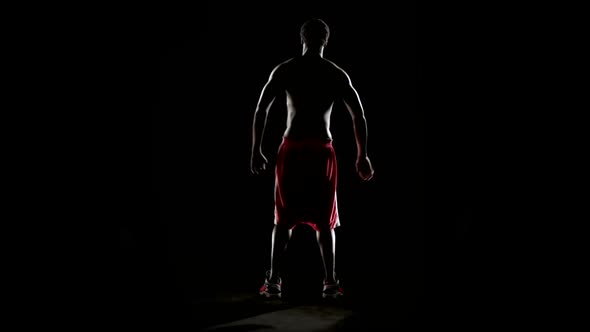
x,y
258,161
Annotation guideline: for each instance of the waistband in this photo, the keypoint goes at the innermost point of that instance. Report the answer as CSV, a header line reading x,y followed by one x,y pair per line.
x,y
310,142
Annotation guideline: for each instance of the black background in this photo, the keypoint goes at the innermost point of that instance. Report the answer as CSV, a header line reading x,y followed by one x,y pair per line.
x,y
205,227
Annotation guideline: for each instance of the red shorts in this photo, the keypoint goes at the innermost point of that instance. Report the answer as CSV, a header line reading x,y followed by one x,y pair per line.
x,y
305,184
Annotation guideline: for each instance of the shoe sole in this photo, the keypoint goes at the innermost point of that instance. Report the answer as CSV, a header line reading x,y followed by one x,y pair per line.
x,y
268,295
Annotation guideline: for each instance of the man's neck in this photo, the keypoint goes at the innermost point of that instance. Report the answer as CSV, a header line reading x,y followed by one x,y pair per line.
x,y
313,51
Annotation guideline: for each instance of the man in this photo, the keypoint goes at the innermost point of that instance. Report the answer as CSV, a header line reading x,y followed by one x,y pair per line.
x,y
306,168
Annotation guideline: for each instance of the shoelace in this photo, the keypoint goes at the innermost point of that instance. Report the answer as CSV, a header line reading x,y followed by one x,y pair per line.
x,y
333,287
272,283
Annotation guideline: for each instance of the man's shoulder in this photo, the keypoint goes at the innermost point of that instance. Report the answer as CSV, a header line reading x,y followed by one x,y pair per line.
x,y
332,64
340,73
281,67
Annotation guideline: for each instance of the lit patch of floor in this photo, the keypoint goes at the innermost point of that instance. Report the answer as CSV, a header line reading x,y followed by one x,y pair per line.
x,y
302,318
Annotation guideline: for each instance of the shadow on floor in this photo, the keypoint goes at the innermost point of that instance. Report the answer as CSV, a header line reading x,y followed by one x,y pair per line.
x,y
228,308
232,307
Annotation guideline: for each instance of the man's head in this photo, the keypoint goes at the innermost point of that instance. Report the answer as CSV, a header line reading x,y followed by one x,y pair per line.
x,y
315,33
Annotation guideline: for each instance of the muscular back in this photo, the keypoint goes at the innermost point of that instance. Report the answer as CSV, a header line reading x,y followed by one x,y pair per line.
x,y
310,86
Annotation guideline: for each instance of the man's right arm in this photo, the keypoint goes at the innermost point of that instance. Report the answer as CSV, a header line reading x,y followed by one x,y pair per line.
x,y
355,108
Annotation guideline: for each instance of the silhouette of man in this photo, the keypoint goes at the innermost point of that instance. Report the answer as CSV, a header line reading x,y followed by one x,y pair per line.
x,y
306,168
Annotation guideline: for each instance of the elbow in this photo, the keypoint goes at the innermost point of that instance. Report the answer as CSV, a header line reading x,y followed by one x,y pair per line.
x,y
359,120
259,113
260,116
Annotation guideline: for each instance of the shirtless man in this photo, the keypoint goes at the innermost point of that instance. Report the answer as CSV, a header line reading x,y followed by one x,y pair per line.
x,y
306,168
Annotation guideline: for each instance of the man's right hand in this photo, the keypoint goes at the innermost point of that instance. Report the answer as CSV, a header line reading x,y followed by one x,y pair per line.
x,y
364,168
258,163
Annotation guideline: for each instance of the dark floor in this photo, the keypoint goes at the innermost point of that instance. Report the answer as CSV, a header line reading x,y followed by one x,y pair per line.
x,y
299,311
211,294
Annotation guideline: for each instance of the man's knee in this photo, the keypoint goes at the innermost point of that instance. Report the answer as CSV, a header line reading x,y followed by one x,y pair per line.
x,y
282,229
323,229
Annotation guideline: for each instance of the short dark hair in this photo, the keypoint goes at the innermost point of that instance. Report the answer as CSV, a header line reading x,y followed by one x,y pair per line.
x,y
315,32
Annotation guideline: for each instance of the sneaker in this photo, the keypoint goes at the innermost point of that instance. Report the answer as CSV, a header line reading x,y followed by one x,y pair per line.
x,y
332,290
270,289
